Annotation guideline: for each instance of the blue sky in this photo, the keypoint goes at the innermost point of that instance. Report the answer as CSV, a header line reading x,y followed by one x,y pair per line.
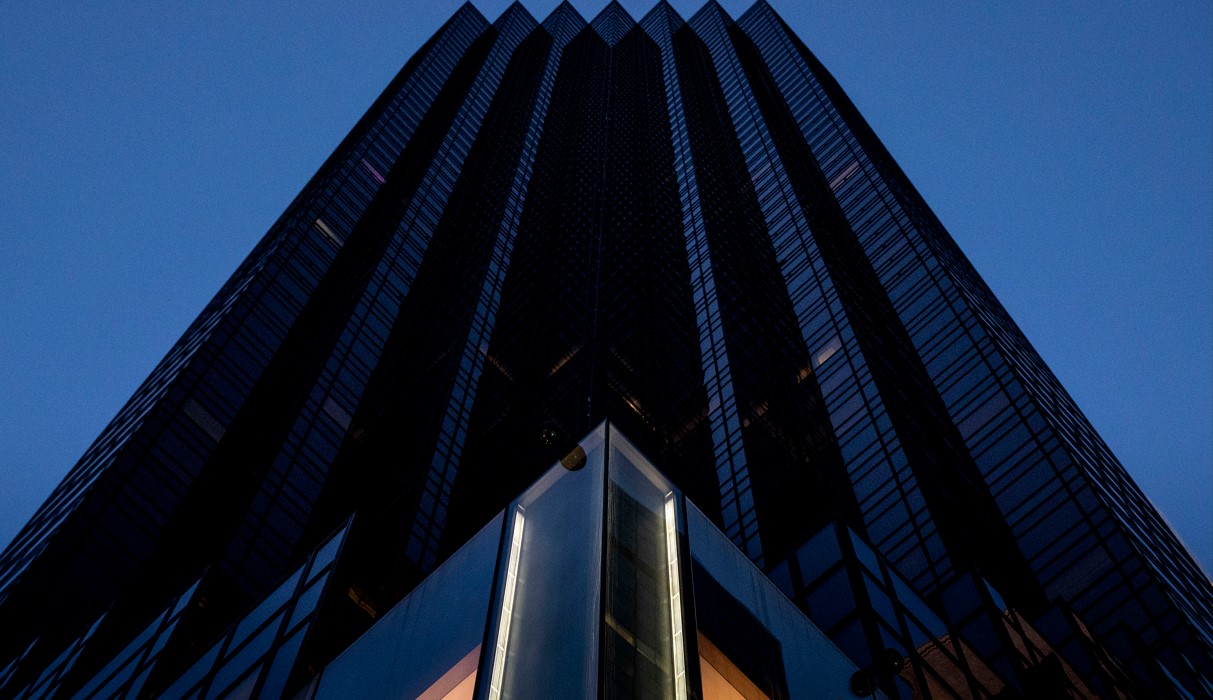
x,y
1068,147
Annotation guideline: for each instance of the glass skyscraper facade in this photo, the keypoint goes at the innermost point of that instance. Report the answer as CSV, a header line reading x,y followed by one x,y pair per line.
x,y
678,230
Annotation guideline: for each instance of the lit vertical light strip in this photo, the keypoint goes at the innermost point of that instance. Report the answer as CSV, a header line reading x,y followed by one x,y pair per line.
x,y
507,606
671,548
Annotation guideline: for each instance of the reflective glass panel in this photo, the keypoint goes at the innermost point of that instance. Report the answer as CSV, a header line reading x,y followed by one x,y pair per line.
x,y
422,637
812,666
551,612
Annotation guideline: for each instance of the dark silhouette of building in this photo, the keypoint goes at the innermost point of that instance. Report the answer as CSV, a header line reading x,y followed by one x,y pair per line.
x,y
683,228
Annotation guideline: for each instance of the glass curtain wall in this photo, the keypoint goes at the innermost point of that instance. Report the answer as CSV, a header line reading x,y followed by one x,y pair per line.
x,y
588,586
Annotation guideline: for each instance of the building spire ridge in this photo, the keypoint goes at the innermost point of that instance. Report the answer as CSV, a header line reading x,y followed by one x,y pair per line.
x,y
613,22
662,12
564,21
687,234
515,12
711,12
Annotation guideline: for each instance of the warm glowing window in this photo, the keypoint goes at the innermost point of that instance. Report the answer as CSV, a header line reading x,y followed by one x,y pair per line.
x,y
329,233
459,683
722,680
826,352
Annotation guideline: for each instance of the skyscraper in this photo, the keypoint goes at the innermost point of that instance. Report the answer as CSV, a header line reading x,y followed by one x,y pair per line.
x,y
684,228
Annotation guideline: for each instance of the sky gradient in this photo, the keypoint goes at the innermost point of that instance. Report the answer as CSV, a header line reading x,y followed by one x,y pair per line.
x,y
146,147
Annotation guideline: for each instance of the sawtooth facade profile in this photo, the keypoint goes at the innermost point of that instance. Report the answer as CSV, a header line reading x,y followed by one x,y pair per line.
x,y
611,358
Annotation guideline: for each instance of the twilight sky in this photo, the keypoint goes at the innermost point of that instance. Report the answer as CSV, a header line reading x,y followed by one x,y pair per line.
x,y
1068,147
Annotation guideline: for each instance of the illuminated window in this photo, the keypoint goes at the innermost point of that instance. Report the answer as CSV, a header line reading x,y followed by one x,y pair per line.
x,y
373,171
459,683
328,232
563,360
722,680
844,175
826,352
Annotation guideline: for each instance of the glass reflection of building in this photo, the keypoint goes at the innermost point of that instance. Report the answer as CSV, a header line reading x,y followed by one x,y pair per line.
x,y
846,471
